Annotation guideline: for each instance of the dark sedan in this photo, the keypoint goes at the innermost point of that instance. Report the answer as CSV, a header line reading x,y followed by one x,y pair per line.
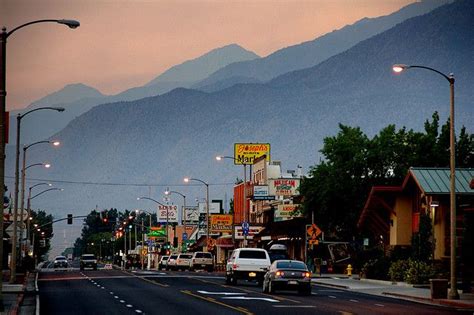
x,y
287,275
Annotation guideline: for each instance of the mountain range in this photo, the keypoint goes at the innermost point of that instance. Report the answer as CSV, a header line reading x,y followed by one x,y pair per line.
x,y
119,151
218,69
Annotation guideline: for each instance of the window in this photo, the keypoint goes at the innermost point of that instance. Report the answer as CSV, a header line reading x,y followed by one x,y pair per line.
x,y
291,265
203,255
253,254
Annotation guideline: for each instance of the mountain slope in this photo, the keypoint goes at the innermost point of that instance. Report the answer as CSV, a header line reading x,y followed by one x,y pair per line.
x,y
144,146
311,53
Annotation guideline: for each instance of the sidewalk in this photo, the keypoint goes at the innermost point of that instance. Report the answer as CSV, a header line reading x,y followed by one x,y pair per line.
x,y
16,297
398,290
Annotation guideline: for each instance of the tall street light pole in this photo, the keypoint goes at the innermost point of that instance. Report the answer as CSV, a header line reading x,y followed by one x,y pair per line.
x,y
187,180
23,171
398,68
244,208
3,95
166,207
183,212
28,206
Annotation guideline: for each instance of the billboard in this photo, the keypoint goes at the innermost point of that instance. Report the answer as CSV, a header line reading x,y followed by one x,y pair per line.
x,y
214,207
168,213
246,153
287,212
284,187
221,223
261,192
191,215
239,233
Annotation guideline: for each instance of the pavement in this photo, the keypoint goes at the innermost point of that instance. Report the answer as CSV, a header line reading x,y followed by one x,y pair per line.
x,y
20,298
399,290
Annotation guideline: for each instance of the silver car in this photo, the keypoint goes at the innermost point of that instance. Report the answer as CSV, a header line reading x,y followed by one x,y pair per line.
x,y
287,275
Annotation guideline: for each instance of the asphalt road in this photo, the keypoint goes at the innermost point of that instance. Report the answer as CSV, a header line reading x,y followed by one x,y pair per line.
x,y
117,292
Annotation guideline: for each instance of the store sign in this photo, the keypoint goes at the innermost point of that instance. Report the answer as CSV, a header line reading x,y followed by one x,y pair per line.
x,y
221,223
239,233
284,187
191,215
247,153
287,212
214,207
168,213
260,191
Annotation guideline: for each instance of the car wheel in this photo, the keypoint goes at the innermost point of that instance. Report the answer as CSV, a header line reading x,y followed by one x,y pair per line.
x,y
227,279
271,289
264,288
233,280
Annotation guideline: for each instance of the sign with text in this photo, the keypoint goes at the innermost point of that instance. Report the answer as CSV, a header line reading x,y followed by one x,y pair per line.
x,y
221,223
239,233
214,207
287,212
191,214
246,153
284,187
168,213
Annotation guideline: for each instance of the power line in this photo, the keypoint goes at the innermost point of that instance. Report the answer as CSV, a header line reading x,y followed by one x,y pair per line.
x,y
116,184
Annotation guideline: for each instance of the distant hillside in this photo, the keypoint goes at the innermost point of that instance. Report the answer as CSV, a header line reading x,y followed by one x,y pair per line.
x,y
143,146
311,53
79,98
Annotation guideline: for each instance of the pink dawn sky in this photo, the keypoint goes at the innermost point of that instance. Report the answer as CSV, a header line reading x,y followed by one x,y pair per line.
x,y
126,43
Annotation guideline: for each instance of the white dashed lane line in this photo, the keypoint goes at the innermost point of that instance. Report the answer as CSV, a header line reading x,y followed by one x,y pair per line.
x,y
380,305
355,301
331,296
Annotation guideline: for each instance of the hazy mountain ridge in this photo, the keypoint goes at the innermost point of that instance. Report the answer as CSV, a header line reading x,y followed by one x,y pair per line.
x,y
310,53
79,98
159,140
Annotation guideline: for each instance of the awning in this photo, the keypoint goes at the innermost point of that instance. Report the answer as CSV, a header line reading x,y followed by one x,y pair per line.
x,y
290,228
225,242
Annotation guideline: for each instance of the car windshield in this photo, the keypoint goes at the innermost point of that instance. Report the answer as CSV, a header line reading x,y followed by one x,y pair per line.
x,y
173,256
203,255
290,265
165,257
60,258
185,256
253,254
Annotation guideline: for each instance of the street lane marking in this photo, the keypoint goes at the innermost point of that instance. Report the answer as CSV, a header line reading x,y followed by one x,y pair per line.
x,y
239,309
293,306
250,298
147,280
248,291
116,297
221,293
129,305
381,305
355,301
122,301
138,311
332,296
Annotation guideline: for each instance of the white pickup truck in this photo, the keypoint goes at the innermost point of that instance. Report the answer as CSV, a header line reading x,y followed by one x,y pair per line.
x,y
247,264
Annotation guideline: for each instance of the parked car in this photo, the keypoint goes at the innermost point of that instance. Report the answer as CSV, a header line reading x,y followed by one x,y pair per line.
x,y
277,252
287,275
183,261
60,262
171,264
163,262
247,263
88,261
202,260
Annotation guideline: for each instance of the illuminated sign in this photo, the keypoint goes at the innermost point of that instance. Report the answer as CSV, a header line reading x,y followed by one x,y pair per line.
x,y
221,223
247,153
284,187
287,212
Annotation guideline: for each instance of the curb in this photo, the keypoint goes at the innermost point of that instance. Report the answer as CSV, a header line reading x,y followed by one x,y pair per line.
x,y
337,286
451,303
14,310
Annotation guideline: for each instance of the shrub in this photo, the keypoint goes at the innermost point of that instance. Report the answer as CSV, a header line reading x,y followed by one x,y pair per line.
x,y
375,269
419,272
398,270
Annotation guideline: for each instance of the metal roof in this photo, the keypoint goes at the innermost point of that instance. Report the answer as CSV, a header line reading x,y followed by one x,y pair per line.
x,y
436,180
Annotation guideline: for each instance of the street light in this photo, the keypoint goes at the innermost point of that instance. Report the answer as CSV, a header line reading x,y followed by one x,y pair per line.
x,y
187,180
183,213
3,94
398,68
167,217
28,206
23,172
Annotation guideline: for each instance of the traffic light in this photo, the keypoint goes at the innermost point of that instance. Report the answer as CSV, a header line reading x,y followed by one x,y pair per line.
x,y
175,242
69,219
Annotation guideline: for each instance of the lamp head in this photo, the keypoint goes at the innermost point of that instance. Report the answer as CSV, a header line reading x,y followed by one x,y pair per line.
x,y
398,68
59,109
71,23
186,179
218,158
55,143
46,165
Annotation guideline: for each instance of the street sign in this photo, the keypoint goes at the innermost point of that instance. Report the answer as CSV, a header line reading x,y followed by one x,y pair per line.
x,y
185,236
245,228
312,231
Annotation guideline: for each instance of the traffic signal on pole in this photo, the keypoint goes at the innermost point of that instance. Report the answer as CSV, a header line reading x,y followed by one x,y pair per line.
x,y
69,219
175,242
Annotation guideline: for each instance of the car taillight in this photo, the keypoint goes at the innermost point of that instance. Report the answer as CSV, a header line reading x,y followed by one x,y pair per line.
x,y
235,266
178,261
194,260
279,274
306,274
